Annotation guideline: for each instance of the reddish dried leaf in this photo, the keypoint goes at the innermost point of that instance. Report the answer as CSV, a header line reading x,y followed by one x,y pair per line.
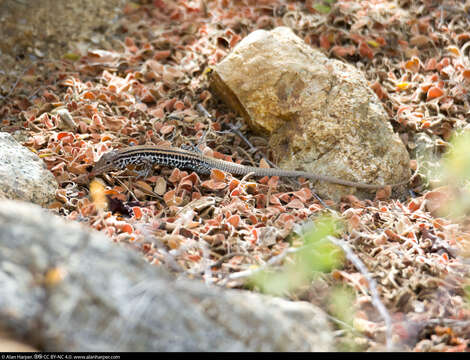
x,y
356,38
194,257
214,184
263,164
415,204
438,199
218,155
137,212
443,63
304,194
234,220
166,129
88,95
260,201
378,90
161,54
233,184
127,228
77,169
179,105
324,42
217,175
273,182
425,87
185,184
171,199
55,205
413,65
365,50
354,221
253,219
466,74
343,51
176,175
431,64
420,40
384,193
434,92
391,235
295,204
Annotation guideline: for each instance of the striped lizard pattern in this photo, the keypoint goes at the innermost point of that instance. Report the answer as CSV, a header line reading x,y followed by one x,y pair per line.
x,y
147,156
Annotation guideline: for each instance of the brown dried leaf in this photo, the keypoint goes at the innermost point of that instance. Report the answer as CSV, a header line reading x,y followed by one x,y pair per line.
x,y
295,204
384,193
214,184
143,186
263,164
420,40
217,175
160,186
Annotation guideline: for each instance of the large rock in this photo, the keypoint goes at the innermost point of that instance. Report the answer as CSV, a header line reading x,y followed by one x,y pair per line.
x,y
320,114
64,288
23,175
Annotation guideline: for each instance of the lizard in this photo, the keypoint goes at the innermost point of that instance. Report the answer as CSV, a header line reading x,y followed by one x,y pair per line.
x,y
149,155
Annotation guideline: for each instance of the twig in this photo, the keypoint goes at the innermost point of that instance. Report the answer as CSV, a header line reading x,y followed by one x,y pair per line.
x,y
229,256
273,261
202,109
127,188
343,324
247,176
351,256
452,322
253,149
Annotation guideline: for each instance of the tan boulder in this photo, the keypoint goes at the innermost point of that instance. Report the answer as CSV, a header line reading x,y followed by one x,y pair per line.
x,y
320,114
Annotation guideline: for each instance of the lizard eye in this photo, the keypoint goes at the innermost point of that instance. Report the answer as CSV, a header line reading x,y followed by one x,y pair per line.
x,y
108,162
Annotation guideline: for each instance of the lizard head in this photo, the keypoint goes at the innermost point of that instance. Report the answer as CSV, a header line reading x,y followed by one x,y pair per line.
x,y
104,164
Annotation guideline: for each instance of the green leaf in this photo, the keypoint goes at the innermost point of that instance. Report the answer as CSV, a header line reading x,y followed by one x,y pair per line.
x,y
71,56
324,9
317,255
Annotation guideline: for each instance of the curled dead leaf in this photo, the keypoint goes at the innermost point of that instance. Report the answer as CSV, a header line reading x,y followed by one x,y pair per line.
x,y
438,200
384,193
413,65
434,92
214,184
217,175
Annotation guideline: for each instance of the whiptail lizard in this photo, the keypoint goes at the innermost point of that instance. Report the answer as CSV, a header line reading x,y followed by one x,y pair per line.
x,y
147,156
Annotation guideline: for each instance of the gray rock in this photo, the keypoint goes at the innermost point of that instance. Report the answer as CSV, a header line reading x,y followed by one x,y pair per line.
x,y
320,114
23,175
63,287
